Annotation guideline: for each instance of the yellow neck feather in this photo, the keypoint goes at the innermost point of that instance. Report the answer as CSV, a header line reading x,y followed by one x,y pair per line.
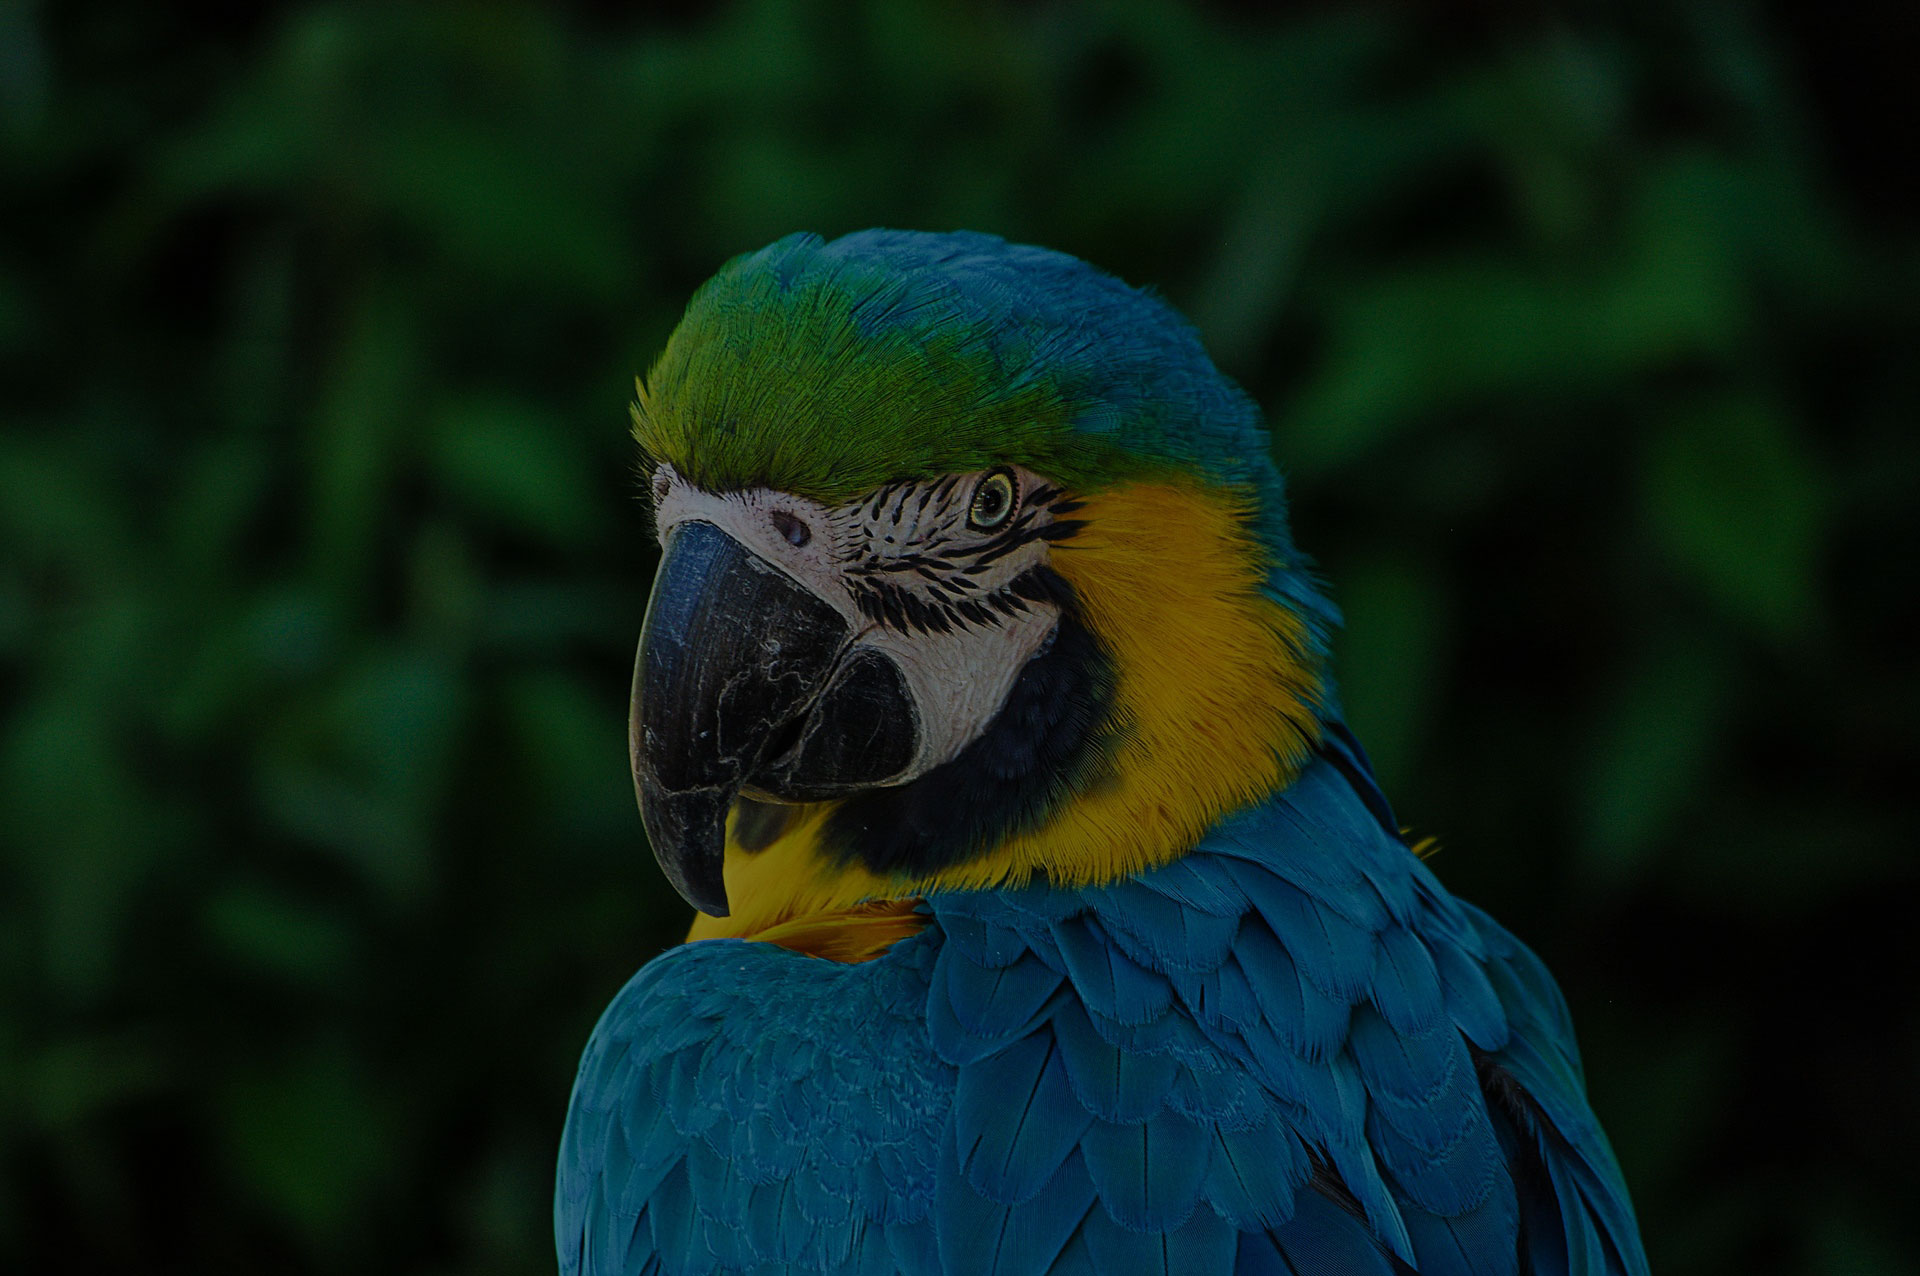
x,y
1215,693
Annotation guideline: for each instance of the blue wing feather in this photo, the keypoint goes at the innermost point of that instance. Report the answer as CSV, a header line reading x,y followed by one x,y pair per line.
x,y
979,1236
1203,1243
1253,1174
1322,1238
1148,1174
1118,1086
1291,1052
742,1106
1016,1122
1111,983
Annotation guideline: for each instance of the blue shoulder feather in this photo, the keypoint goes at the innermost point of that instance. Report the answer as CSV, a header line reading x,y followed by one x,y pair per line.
x,y
1290,1052
741,1106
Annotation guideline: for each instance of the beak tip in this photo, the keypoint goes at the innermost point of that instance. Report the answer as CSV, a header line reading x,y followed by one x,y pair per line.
x,y
709,895
688,833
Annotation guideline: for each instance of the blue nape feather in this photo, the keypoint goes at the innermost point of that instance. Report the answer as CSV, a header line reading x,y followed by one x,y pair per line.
x,y
1289,1052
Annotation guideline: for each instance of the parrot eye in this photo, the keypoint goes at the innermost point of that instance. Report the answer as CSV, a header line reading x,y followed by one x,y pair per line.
x,y
993,501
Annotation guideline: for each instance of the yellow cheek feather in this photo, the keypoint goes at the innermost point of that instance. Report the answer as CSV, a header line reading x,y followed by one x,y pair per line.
x,y
1215,690
1215,687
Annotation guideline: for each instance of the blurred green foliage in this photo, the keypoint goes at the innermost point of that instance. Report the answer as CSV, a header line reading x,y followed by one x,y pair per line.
x,y
1590,348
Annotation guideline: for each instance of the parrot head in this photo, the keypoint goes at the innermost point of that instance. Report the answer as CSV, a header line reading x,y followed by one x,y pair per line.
x,y
974,571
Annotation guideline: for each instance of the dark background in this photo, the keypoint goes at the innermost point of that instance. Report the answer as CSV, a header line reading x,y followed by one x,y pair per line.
x,y
1590,340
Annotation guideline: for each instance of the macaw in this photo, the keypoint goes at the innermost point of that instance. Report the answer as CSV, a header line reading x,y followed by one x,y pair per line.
x,y
1049,917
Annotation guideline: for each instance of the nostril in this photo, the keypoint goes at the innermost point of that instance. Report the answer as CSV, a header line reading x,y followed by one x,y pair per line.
x,y
796,532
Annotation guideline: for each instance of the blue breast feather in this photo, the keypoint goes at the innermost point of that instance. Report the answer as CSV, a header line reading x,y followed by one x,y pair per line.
x,y
1289,1052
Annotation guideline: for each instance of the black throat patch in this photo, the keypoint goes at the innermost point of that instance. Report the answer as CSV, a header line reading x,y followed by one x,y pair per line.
x,y
1044,744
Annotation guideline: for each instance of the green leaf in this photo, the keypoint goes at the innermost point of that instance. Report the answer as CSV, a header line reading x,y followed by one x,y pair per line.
x,y
82,831
294,940
518,466
57,509
500,207
1389,653
362,770
1738,505
571,744
1654,744
74,1079
359,440
312,1139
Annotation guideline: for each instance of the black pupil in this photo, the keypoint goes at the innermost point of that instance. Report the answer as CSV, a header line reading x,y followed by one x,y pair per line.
x,y
992,501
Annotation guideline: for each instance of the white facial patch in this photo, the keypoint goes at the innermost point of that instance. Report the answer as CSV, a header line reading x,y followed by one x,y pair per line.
x,y
956,603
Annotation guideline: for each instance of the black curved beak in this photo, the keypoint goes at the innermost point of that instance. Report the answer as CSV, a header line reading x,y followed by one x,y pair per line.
x,y
740,682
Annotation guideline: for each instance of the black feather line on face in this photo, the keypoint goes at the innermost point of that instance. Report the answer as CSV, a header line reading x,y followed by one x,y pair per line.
x,y
1019,533
945,576
902,609
1043,744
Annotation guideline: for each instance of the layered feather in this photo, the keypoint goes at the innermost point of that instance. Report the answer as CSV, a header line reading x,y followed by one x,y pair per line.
x,y
1289,1052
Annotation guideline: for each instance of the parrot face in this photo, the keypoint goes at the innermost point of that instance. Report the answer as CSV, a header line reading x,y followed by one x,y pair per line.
x,y
798,652
973,572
